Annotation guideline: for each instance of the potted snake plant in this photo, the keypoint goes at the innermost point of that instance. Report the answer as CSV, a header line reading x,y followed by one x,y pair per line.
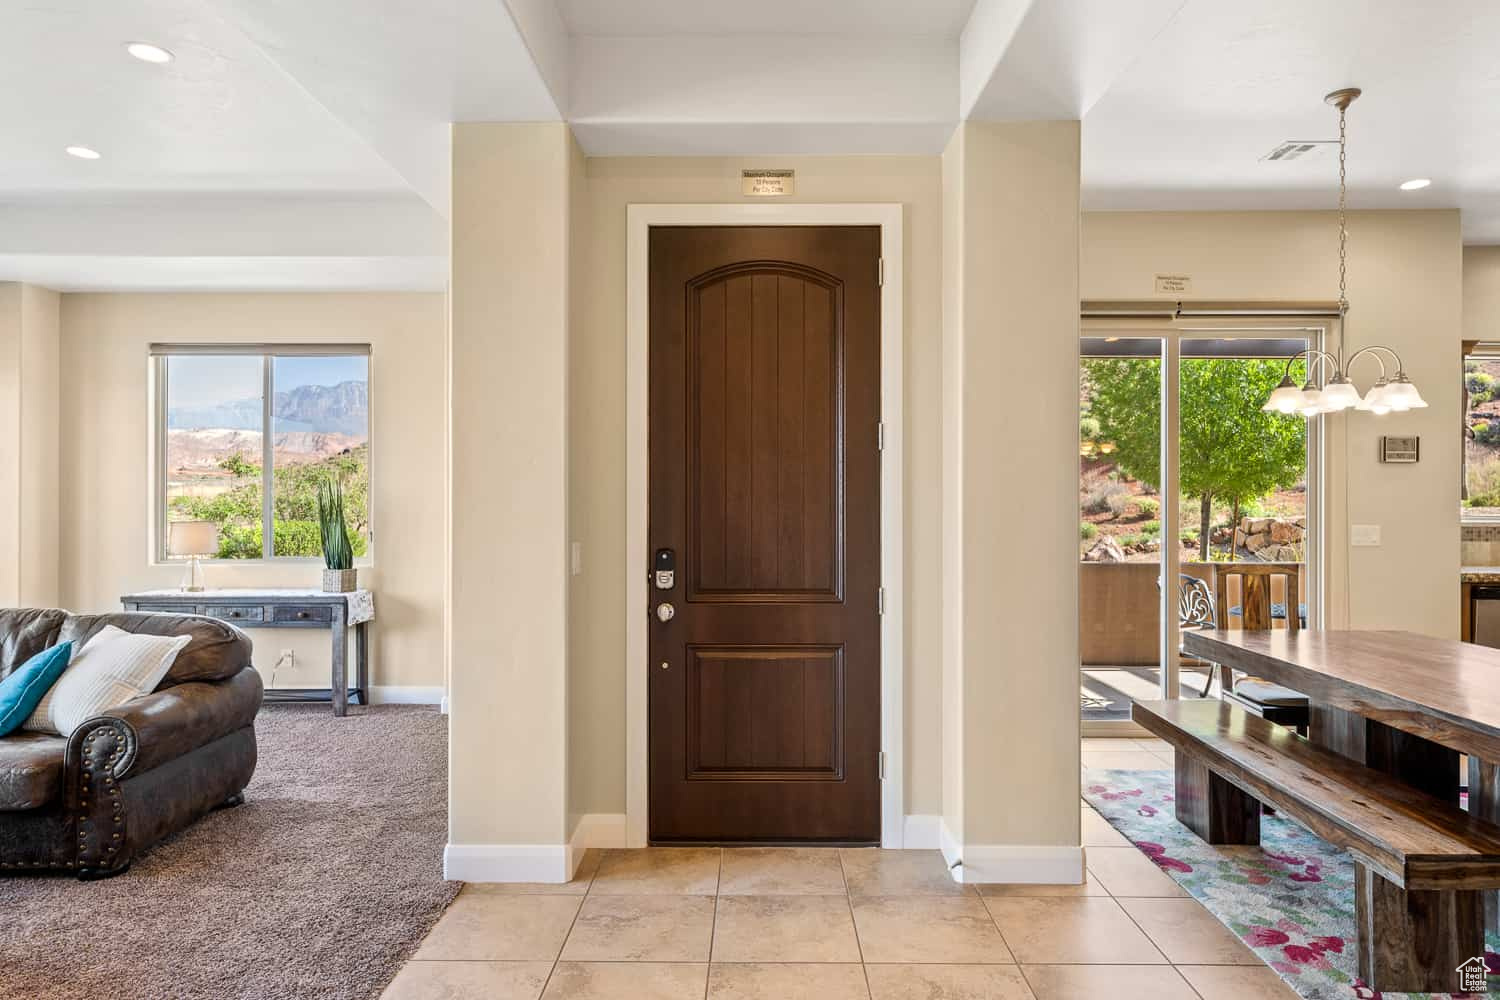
x,y
339,575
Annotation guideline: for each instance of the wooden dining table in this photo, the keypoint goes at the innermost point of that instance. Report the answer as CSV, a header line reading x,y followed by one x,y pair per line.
x,y
1402,703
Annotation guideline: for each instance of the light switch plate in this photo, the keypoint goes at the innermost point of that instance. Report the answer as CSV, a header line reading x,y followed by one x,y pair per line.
x,y
1364,534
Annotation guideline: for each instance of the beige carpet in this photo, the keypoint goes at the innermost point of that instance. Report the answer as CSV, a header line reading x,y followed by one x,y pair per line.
x,y
320,885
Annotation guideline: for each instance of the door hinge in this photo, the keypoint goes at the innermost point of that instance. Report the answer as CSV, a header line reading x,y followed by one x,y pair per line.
x,y
882,765
880,435
880,600
880,273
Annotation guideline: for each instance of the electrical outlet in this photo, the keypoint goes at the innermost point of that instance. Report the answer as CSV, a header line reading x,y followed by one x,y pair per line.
x,y
576,557
287,658
1364,534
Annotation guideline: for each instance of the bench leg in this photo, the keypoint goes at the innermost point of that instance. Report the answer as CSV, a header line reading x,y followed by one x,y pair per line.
x,y
1484,802
1414,941
1423,764
1212,808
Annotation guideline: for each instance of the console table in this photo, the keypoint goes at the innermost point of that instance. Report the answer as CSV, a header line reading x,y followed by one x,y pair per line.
x,y
286,608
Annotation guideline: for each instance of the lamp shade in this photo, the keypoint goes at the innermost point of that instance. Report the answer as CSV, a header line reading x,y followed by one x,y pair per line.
x,y
1285,398
1339,394
1310,401
1402,395
192,538
1374,400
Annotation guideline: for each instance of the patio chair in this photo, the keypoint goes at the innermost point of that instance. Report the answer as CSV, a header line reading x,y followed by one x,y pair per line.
x,y
1271,702
1195,610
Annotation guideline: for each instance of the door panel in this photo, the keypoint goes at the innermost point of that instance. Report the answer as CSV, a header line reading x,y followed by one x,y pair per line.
x,y
763,504
764,479
797,737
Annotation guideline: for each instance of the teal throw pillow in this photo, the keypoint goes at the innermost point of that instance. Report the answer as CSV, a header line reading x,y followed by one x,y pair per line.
x,y
23,690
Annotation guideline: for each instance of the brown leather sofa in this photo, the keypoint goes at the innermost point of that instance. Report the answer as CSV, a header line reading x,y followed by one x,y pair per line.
x,y
91,802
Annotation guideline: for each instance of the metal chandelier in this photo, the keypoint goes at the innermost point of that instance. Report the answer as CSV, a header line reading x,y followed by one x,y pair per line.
x,y
1390,393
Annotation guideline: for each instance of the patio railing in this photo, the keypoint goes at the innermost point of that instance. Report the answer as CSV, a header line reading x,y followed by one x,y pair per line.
x,y
1119,621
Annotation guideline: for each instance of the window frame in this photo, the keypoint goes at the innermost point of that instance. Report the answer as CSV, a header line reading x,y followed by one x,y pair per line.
x,y
1482,350
160,354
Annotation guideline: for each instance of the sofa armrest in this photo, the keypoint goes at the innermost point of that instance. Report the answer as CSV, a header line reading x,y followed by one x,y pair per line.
x,y
136,737
177,720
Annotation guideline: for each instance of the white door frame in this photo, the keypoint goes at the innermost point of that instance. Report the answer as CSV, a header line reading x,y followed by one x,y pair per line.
x,y
639,220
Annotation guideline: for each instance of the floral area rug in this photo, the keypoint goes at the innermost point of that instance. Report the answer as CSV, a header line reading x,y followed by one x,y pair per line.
x,y
1290,899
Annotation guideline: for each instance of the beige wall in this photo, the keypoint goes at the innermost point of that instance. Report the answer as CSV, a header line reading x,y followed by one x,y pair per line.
x,y
508,748
1011,410
1407,285
106,487
597,714
1482,293
29,402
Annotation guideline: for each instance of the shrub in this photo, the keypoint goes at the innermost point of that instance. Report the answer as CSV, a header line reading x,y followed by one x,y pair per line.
x,y
1087,531
1481,387
1126,541
1148,506
1484,483
1121,502
1151,529
1088,428
1098,499
1487,432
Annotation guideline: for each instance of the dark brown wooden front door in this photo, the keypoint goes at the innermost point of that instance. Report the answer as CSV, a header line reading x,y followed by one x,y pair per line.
x,y
765,483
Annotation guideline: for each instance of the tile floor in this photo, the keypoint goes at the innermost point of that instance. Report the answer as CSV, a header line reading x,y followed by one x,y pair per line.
x,y
824,924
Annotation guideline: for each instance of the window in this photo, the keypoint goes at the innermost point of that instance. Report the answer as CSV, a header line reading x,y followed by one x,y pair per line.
x,y
1481,430
218,463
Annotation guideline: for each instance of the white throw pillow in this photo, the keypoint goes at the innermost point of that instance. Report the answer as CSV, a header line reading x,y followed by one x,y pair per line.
x,y
112,668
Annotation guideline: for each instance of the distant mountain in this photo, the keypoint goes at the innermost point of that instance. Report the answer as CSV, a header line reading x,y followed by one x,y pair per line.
x,y
341,409
236,415
335,409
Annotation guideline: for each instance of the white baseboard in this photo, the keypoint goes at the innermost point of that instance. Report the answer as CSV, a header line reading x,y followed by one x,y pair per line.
x,y
406,695
533,862
507,863
922,832
1014,863
952,850
1011,863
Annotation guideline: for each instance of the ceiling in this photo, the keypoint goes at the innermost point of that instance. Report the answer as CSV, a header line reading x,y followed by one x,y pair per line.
x,y
1186,125
939,18
296,144
221,116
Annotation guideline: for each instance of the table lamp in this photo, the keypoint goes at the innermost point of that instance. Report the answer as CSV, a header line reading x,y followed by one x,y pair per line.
x,y
192,539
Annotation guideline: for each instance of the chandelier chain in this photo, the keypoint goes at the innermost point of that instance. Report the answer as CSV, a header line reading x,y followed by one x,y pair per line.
x,y
1343,221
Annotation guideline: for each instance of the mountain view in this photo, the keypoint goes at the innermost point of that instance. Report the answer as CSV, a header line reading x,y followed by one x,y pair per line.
x,y
214,453
342,408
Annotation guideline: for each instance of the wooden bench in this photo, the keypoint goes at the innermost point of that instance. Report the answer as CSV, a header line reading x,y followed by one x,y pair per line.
x,y
1420,863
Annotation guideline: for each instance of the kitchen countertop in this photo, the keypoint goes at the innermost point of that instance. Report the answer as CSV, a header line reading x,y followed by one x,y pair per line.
x,y
1479,574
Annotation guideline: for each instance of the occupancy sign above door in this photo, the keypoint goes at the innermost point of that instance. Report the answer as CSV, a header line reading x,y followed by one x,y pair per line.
x,y
768,183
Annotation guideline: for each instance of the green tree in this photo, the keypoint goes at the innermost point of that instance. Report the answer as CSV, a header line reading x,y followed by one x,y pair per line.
x,y
1231,451
294,506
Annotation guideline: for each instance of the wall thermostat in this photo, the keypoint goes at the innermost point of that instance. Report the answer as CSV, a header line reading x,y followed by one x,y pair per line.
x,y
1400,449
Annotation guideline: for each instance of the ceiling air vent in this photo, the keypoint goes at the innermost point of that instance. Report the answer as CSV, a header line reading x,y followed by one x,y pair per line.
x,y
1299,149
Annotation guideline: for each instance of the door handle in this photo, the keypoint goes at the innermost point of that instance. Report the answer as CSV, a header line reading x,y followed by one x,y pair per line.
x,y
665,612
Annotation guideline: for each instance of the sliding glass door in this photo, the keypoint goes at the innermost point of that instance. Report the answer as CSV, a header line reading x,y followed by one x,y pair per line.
x,y
1181,475
1120,524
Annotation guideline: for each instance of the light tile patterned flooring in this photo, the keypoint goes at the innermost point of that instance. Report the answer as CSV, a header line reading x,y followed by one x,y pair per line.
x,y
824,924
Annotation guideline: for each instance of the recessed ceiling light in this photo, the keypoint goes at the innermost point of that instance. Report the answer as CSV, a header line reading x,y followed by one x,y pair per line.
x,y
1415,184
83,152
146,52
